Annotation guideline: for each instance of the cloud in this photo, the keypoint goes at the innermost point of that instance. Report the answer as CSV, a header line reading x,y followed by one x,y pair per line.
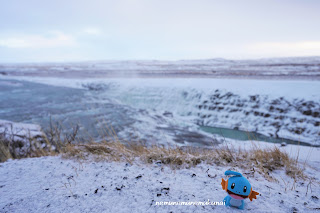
x,y
92,31
49,40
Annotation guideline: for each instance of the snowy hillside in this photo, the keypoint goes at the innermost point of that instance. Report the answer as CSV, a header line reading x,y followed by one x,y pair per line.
x,y
53,184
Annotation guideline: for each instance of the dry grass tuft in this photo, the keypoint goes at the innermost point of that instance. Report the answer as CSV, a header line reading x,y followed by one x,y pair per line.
x,y
5,153
55,142
272,159
24,148
51,142
263,161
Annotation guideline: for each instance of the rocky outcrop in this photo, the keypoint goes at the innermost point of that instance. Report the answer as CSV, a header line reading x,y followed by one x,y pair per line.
x,y
296,119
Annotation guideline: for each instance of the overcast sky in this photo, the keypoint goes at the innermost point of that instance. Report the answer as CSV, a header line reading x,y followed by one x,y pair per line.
x,y
76,30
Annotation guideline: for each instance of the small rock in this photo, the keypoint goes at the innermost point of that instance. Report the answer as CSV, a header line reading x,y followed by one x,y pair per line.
x,y
210,176
168,114
165,190
158,195
313,197
119,188
283,144
159,162
96,191
193,175
139,176
294,209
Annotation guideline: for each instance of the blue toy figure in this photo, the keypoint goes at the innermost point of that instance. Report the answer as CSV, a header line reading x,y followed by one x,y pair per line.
x,y
238,189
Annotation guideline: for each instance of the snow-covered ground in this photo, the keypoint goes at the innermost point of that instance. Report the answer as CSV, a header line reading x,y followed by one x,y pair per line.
x,y
53,184
296,67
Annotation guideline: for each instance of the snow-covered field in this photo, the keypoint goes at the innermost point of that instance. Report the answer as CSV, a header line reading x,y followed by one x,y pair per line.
x,y
53,184
292,68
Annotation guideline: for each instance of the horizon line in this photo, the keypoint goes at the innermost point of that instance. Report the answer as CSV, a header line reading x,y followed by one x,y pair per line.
x,y
163,60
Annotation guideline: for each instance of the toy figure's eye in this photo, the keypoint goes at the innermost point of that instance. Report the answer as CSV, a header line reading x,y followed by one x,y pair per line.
x,y
232,185
244,189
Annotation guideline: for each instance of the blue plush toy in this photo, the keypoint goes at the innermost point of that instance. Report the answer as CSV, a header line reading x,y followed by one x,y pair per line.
x,y
238,189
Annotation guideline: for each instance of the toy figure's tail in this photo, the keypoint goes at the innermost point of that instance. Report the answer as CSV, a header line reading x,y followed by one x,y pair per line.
x,y
252,195
224,184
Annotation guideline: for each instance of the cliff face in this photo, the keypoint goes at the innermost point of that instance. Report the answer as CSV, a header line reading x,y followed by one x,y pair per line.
x,y
277,117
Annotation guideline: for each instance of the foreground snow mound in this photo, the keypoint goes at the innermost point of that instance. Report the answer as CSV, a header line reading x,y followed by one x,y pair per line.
x,y
53,184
